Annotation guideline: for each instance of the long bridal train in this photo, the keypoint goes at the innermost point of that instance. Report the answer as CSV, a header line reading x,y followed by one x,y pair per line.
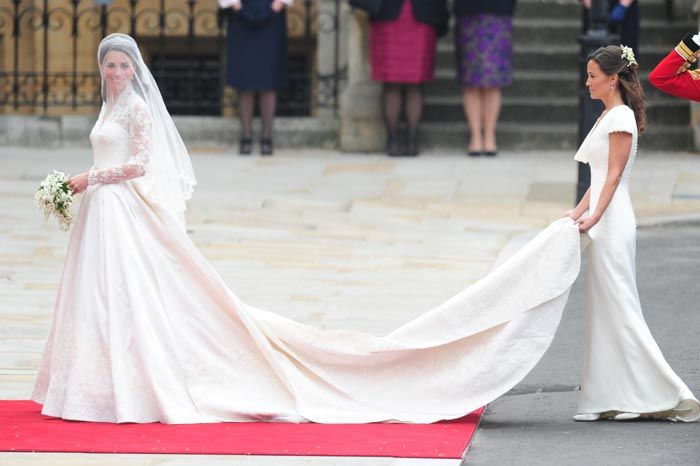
x,y
153,334
145,330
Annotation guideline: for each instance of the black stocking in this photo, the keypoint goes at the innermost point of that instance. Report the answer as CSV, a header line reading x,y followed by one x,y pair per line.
x,y
246,104
414,110
268,104
392,109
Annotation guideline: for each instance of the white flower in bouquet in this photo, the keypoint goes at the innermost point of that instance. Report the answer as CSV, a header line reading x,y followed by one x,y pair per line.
x,y
55,197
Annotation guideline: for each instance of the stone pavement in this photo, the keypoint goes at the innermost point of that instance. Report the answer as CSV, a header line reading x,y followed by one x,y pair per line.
x,y
335,240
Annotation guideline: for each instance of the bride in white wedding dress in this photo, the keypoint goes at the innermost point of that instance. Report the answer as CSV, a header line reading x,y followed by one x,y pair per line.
x,y
144,330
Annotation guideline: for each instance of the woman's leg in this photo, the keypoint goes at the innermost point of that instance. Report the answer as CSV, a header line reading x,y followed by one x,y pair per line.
x,y
471,102
491,110
246,104
414,110
268,107
392,113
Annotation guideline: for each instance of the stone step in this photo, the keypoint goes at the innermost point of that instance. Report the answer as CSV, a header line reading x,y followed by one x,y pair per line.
x,y
511,136
556,136
566,31
539,9
553,110
73,131
288,131
567,9
551,57
525,57
316,132
525,83
564,9
542,84
291,132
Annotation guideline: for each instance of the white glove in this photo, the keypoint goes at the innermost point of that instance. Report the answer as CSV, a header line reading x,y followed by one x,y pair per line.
x,y
228,3
696,38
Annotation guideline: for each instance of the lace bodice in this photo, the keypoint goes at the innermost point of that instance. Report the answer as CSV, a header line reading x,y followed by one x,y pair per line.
x,y
121,140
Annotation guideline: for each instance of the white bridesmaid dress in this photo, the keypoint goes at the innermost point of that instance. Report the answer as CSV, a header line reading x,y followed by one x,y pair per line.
x,y
624,370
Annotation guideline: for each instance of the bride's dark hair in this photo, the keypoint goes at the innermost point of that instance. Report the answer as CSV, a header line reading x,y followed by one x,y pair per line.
x,y
611,62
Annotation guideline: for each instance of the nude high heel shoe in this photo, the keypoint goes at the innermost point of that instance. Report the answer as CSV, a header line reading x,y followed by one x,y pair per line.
x,y
626,416
587,417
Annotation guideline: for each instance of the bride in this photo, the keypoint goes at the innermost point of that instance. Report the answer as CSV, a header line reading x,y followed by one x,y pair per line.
x,y
144,330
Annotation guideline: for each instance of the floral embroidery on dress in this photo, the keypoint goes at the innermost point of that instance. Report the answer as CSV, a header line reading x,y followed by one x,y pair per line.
x,y
131,113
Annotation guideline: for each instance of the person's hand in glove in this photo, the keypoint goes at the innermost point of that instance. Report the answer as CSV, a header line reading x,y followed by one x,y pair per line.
x,y
618,12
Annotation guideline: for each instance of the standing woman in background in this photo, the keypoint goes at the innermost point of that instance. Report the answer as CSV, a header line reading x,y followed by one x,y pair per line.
x,y
623,20
402,54
483,50
256,62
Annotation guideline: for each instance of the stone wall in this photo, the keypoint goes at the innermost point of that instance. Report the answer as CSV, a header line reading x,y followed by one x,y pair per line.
x,y
361,126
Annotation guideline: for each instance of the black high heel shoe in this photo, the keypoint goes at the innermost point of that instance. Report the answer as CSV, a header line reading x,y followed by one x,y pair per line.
x,y
413,147
266,146
392,146
245,146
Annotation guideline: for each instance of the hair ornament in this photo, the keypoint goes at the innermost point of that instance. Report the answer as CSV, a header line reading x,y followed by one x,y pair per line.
x,y
628,54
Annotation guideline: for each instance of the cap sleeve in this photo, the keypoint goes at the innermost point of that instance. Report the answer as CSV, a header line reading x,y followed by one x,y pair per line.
x,y
622,121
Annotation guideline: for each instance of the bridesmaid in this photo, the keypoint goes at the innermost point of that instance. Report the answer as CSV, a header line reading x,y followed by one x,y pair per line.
x,y
402,55
483,52
625,375
256,62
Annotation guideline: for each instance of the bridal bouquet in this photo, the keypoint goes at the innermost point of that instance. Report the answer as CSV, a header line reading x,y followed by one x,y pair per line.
x,y
55,197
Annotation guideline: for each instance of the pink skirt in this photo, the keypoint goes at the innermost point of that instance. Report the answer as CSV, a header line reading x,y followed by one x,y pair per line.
x,y
402,50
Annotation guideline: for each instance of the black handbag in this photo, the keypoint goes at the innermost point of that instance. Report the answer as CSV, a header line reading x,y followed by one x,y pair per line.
x,y
370,6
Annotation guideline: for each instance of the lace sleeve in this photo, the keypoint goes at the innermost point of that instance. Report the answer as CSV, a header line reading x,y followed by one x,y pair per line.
x,y
140,127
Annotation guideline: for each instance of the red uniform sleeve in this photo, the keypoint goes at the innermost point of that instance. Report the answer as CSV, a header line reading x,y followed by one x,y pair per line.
x,y
672,74
685,85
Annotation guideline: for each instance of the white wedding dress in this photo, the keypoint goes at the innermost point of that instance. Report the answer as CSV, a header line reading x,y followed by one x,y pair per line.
x,y
624,370
145,330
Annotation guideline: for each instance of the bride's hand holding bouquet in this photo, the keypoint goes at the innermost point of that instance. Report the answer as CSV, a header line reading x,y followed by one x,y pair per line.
x,y
55,197
78,183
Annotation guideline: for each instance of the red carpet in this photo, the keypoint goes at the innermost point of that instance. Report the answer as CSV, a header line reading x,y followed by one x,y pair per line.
x,y
24,428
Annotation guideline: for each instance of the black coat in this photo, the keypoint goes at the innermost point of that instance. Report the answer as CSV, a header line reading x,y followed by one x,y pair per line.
x,y
628,29
432,12
256,47
493,7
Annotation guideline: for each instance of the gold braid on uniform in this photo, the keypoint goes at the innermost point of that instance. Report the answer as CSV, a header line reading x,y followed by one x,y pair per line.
x,y
690,51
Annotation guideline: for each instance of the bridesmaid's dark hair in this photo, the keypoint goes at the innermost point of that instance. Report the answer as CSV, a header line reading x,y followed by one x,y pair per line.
x,y
611,62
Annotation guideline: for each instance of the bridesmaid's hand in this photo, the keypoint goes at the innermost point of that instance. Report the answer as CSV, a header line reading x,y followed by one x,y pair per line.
x,y
237,6
277,6
78,183
573,214
585,224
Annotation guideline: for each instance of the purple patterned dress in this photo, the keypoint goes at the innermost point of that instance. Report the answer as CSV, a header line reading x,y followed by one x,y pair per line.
x,y
484,50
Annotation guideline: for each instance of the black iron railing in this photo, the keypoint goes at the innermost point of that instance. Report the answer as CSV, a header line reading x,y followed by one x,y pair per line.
x,y
47,53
